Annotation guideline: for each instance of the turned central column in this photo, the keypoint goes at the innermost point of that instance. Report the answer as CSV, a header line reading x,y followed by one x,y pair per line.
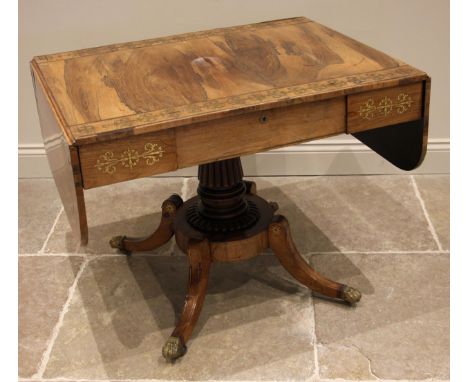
x,y
222,205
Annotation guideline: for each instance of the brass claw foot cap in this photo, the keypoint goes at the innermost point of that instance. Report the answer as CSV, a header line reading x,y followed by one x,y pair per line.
x,y
351,295
117,243
173,349
274,206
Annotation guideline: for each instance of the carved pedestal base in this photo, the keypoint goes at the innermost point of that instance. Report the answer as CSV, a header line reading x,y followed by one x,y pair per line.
x,y
233,224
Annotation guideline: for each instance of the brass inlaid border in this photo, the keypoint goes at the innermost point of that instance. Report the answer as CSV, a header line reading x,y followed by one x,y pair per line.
x,y
385,107
166,40
198,112
130,158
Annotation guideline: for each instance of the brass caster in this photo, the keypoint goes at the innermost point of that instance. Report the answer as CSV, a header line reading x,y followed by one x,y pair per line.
x,y
351,295
173,349
117,243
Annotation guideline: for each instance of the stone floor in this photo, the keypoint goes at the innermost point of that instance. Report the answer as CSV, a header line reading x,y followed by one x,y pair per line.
x,y
91,314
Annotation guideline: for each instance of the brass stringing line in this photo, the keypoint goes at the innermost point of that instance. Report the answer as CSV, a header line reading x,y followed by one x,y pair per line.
x,y
369,110
129,158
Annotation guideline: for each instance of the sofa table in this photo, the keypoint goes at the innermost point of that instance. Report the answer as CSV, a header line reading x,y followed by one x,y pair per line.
x,y
125,111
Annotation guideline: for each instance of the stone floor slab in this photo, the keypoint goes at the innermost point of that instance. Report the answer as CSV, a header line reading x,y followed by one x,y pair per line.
x,y
257,324
38,206
400,328
44,282
435,191
350,213
129,208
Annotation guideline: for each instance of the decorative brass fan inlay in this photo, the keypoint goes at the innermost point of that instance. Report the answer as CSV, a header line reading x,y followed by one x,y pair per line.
x,y
385,107
109,162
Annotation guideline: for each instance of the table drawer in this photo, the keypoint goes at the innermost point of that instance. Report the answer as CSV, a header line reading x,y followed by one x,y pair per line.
x,y
384,107
258,131
128,158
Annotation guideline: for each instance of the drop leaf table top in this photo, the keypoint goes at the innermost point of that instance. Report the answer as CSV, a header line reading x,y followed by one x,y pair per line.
x,y
124,111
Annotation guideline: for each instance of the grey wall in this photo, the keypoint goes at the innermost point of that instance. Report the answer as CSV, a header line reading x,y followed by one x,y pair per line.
x,y
416,31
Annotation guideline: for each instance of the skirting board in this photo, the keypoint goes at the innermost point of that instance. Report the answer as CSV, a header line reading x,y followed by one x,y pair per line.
x,y
327,157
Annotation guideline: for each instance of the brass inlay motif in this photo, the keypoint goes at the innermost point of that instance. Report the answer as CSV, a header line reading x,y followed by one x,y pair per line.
x,y
385,107
130,158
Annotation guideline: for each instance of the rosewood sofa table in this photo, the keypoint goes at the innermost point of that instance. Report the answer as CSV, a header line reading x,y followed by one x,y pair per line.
x,y
125,111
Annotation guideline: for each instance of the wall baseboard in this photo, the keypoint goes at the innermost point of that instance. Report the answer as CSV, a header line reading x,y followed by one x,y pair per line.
x,y
327,157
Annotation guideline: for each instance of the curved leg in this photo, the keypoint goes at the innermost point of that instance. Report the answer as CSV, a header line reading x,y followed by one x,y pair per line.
x,y
159,237
281,243
200,262
251,187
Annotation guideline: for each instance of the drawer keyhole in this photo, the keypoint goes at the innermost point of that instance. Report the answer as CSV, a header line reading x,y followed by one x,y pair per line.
x,y
263,119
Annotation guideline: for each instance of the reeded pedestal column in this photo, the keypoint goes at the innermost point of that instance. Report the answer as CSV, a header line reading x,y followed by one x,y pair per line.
x,y
222,205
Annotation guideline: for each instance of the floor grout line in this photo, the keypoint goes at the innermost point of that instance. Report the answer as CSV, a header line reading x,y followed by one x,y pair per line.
x,y
63,254
426,214
52,229
316,374
90,256
383,380
227,380
207,380
397,252
71,291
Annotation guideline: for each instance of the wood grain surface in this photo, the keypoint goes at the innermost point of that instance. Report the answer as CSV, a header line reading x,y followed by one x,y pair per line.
x,y
140,87
427,101
258,131
239,250
64,164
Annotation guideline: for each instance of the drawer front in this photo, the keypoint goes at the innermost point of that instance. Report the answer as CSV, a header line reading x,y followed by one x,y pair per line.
x,y
258,131
384,107
129,158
